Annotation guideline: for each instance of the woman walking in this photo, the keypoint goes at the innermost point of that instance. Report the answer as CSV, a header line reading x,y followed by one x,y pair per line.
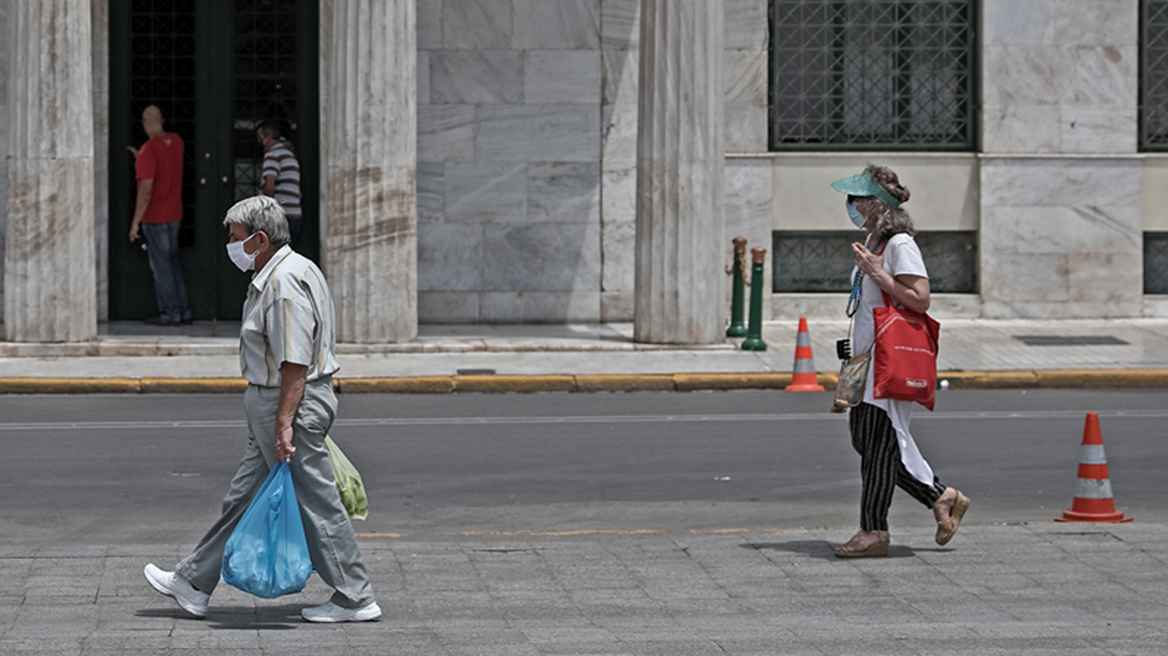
x,y
888,262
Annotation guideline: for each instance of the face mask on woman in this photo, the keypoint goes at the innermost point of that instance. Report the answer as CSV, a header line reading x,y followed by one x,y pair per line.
x,y
240,257
854,214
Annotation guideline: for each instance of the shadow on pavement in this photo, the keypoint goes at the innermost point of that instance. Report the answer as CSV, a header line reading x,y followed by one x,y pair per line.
x,y
819,548
251,618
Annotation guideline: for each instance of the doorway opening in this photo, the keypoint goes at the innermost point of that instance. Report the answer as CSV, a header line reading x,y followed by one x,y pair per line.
x,y
216,70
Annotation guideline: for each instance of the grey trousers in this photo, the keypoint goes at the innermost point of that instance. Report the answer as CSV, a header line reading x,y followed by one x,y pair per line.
x,y
331,542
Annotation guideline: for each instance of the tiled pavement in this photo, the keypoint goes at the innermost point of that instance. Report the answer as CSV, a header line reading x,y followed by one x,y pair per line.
x,y
1051,589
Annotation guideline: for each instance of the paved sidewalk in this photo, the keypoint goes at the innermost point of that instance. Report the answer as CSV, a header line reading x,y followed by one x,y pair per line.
x,y
1121,352
1019,589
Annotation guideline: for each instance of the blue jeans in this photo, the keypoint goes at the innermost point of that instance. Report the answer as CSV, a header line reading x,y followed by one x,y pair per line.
x,y
170,289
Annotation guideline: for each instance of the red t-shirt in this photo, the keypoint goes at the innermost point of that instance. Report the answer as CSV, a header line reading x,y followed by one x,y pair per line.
x,y
161,160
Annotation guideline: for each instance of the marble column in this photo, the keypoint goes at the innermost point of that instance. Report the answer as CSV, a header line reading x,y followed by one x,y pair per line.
x,y
680,221
50,288
369,144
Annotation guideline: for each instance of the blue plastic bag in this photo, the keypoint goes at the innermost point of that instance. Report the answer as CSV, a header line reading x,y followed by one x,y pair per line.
x,y
267,554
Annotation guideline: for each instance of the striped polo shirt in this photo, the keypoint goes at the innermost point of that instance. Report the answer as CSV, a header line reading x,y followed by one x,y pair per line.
x,y
288,317
281,163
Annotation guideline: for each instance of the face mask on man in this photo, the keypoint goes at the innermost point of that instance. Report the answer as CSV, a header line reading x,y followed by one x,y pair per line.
x,y
854,214
240,257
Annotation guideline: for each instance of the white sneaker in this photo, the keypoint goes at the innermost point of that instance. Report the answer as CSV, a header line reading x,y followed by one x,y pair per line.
x,y
188,598
330,612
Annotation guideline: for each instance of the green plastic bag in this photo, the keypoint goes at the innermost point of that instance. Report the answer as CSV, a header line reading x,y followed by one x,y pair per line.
x,y
349,483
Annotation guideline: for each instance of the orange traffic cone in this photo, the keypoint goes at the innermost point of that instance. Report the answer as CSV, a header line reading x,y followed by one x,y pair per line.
x,y
804,379
1093,502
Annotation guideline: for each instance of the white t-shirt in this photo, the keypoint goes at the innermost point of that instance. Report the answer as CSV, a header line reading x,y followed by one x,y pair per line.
x,y
902,256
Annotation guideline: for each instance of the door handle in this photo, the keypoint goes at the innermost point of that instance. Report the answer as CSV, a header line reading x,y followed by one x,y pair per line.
x,y
202,181
224,179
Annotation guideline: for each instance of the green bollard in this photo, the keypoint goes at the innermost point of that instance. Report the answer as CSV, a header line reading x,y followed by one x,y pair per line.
x,y
753,341
738,301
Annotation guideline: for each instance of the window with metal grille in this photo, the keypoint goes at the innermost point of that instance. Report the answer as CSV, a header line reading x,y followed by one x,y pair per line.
x,y
1156,262
823,261
873,75
1154,75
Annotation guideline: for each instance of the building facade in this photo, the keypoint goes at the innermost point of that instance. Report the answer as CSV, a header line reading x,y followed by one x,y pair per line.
x,y
490,173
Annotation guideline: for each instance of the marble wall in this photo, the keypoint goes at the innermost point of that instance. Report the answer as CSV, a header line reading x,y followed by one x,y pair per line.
x,y
527,146
1061,180
509,151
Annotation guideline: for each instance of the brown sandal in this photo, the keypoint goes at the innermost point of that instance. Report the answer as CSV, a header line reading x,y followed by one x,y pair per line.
x,y
947,527
854,549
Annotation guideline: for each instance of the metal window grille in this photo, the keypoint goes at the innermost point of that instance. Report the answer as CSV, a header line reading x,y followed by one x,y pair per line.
x,y
873,74
1154,75
1156,262
823,261
265,82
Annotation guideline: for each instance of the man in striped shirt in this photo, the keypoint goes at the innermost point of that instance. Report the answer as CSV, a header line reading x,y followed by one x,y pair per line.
x,y
281,174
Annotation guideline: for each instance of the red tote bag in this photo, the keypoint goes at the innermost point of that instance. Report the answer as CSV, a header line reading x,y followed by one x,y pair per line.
x,y
905,355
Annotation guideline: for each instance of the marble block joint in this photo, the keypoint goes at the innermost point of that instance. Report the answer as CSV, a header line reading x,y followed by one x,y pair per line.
x,y
370,143
680,218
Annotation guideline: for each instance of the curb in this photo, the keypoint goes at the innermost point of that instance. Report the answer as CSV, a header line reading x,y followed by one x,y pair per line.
x,y
583,383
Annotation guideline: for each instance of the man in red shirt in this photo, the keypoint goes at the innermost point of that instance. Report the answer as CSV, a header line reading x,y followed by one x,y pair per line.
x,y
158,214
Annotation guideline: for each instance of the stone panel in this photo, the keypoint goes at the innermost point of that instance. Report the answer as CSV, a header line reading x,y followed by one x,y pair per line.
x,y
557,24
745,129
541,257
747,24
582,306
538,133
1020,182
486,191
450,257
619,198
619,249
476,77
1080,57
1019,22
448,307
617,307
1059,238
619,136
423,77
620,23
1099,128
1092,22
562,76
429,24
446,133
620,76
431,191
563,192
476,24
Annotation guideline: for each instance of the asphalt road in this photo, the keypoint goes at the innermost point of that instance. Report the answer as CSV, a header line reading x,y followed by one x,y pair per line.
x,y
152,469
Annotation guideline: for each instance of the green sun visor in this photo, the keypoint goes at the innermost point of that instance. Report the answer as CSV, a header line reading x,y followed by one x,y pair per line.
x,y
864,185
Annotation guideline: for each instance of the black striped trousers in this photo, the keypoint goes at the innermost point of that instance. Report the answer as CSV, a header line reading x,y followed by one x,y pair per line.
x,y
874,438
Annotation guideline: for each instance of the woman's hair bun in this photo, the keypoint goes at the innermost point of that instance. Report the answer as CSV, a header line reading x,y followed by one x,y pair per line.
x,y
887,179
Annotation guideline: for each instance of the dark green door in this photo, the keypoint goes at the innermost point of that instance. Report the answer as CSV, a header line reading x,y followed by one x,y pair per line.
x,y
216,68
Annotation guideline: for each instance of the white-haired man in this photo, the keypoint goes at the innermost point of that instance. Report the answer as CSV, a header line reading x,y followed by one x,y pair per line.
x,y
286,352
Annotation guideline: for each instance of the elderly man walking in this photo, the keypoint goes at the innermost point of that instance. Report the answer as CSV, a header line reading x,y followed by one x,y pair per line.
x,y
286,351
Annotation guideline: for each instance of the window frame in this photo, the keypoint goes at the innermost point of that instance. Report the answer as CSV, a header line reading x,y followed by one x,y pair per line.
x,y
972,101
